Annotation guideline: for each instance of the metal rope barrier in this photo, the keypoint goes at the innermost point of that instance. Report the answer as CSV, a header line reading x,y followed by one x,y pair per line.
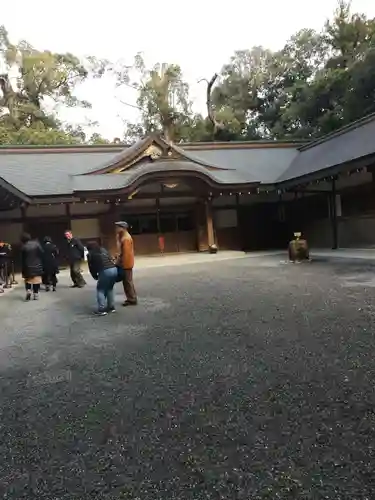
x,y
6,275
3,276
14,282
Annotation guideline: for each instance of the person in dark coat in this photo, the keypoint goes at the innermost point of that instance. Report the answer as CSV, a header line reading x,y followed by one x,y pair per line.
x,y
32,265
103,269
76,254
5,262
50,264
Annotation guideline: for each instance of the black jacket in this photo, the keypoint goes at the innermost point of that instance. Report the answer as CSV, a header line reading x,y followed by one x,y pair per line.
x,y
76,251
32,259
98,260
5,252
50,263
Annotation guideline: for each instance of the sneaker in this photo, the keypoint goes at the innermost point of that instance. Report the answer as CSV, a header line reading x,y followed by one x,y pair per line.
x,y
100,313
111,310
36,296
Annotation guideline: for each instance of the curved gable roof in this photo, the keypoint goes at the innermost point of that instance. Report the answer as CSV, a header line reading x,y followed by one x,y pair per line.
x,y
112,182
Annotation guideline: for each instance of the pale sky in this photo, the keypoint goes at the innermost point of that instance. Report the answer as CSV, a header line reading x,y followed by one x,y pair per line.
x,y
200,35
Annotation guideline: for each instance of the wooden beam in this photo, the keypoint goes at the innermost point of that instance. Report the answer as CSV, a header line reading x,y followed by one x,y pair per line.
x,y
151,196
23,213
334,216
309,191
68,215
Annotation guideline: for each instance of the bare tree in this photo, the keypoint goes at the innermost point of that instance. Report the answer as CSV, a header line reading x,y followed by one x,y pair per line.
x,y
217,125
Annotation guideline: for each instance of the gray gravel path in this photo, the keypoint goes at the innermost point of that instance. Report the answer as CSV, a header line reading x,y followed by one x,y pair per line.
x,y
245,379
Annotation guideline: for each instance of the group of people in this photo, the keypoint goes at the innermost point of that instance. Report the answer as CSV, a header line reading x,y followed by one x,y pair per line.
x,y
108,271
40,266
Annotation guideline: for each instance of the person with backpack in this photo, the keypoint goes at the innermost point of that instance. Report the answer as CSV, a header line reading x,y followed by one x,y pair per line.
x,y
50,264
103,269
32,265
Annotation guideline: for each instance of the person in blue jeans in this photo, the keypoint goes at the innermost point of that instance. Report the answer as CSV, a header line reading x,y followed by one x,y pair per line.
x,y
103,269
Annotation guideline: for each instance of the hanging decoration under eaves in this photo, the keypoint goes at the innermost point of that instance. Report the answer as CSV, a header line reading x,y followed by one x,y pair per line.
x,y
239,193
336,177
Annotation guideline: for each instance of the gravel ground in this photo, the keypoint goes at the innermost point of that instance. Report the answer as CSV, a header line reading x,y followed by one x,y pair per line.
x,y
245,379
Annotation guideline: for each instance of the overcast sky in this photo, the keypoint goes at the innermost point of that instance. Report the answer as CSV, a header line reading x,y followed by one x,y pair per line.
x,y
200,35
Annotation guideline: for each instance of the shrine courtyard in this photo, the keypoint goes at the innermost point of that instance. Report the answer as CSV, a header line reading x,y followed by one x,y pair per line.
x,y
249,378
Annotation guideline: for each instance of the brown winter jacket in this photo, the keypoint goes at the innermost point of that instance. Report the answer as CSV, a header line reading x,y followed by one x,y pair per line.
x,y
126,258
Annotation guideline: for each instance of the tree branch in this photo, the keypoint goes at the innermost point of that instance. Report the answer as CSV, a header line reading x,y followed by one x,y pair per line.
x,y
210,111
130,105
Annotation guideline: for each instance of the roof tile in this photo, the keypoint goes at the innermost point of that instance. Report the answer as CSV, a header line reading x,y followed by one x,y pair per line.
x,y
43,174
340,147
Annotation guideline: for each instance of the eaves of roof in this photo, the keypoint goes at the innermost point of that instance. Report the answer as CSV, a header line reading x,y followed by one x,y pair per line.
x,y
343,130
14,191
335,151
138,174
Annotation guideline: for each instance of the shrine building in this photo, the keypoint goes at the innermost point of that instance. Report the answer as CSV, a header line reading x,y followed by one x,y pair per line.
x,y
186,197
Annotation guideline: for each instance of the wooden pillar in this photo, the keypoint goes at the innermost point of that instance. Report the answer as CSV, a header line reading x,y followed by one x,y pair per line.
x,y
333,214
157,203
197,219
237,200
210,224
200,221
161,239
24,217
281,208
177,233
240,244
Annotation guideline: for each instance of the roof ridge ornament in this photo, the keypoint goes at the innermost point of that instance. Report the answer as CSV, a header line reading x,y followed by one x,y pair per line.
x,y
153,151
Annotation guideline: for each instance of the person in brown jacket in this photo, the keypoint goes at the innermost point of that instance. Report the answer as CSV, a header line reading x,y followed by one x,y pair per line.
x,y
126,262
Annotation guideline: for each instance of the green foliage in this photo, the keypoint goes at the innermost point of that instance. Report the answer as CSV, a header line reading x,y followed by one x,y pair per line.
x,y
37,135
97,139
343,90
32,85
318,82
163,99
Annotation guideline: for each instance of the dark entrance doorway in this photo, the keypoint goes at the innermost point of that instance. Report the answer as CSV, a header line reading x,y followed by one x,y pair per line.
x,y
261,227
